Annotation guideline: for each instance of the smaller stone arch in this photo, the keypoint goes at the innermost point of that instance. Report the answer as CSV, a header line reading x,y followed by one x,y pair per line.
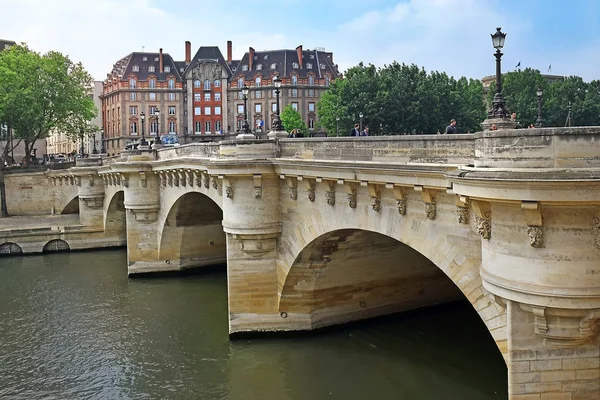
x,y
10,249
56,246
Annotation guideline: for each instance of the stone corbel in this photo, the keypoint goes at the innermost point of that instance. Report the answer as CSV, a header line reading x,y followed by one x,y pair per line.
x,y
256,245
430,201
596,230
93,201
143,212
206,179
533,217
330,192
91,182
462,209
198,177
257,182
292,184
351,190
143,179
375,194
169,175
78,180
214,183
163,179
190,178
118,179
182,177
229,191
401,196
220,185
309,185
125,180
541,324
483,218
175,178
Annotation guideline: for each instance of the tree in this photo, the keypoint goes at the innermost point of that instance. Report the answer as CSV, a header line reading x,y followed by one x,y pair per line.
x,y
291,119
39,94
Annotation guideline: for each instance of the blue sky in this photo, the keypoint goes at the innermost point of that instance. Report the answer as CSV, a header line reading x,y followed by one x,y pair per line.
x,y
444,35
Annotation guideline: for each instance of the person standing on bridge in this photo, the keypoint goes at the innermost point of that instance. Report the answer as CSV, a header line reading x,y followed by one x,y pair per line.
x,y
355,131
451,128
365,131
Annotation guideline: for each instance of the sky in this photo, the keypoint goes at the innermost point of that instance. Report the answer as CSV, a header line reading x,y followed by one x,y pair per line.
x,y
444,35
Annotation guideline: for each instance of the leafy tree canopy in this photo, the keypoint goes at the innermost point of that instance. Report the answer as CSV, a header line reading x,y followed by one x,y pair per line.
x,y
291,119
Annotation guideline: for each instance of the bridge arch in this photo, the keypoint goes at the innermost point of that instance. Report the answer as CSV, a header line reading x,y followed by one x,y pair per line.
x,y
326,273
115,220
191,232
9,249
56,246
72,207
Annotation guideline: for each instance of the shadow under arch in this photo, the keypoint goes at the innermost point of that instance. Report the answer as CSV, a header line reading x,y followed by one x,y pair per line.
x,y
352,274
10,249
115,219
192,233
72,206
56,246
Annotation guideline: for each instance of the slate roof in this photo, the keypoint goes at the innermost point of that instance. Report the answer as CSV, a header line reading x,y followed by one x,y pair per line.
x,y
321,61
144,60
209,53
5,43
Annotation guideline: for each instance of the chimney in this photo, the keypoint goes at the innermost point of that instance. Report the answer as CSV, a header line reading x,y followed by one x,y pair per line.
x,y
160,61
250,58
188,51
229,51
299,51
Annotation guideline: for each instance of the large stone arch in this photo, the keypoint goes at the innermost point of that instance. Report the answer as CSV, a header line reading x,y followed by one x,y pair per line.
x,y
10,249
71,207
115,221
452,247
191,232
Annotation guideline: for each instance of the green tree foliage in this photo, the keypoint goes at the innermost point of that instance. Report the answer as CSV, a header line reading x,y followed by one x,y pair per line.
x,y
39,94
400,98
291,119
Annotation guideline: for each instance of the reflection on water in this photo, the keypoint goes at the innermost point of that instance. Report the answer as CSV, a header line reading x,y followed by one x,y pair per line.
x,y
73,326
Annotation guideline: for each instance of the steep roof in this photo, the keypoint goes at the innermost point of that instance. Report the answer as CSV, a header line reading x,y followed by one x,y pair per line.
x,y
6,43
284,62
145,61
211,53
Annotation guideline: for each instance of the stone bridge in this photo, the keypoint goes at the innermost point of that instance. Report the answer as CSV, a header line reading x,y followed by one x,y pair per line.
x,y
317,232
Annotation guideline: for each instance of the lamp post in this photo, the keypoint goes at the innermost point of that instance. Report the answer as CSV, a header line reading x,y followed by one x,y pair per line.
x,y
157,137
360,116
498,104
245,126
337,126
95,151
81,150
539,120
277,120
102,148
143,118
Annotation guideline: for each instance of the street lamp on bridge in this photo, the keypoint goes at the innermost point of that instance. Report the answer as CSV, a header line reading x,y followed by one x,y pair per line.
x,y
498,104
102,147
157,137
277,120
539,121
360,117
143,119
337,126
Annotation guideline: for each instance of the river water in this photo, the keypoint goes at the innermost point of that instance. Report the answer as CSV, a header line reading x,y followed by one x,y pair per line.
x,y
73,326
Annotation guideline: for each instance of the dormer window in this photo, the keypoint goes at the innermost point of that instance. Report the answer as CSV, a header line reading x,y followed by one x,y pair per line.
x,y
274,66
311,80
309,66
244,68
259,67
135,68
144,58
167,68
327,80
312,56
197,83
152,83
181,69
257,81
295,65
240,82
266,56
323,66
156,59
256,57
151,68
294,80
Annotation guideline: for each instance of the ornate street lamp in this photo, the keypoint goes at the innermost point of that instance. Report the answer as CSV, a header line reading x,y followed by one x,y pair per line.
x,y
498,104
539,121
102,148
337,126
143,118
277,120
81,150
360,116
157,137
245,127
95,151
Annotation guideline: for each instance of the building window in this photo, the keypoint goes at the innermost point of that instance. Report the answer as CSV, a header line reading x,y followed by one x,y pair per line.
x,y
240,108
172,126
207,127
196,97
207,96
274,66
133,128
133,110
295,106
327,81
308,66
218,127
217,83
311,107
295,65
135,68
152,110
132,82
258,107
311,123
294,80
172,110
206,84
311,80
152,96
239,124
206,110
294,92
240,82
259,67
197,111
151,68
197,83
198,127
217,110
154,126
258,94
217,96
171,96
257,82
167,68
132,96
152,83
273,107
171,83
312,56
144,58
266,56
323,66
244,68
311,92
